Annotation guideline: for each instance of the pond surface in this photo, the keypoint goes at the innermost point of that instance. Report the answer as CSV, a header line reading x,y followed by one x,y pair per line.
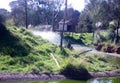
x,y
97,80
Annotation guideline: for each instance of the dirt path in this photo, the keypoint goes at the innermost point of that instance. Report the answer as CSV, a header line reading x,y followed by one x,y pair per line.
x,y
111,54
91,50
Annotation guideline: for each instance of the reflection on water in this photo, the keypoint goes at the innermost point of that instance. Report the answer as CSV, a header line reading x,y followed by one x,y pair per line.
x,y
97,80
105,80
59,81
101,81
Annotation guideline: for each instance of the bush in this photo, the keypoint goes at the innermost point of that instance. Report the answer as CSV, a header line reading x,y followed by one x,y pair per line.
x,y
87,39
65,51
75,71
106,47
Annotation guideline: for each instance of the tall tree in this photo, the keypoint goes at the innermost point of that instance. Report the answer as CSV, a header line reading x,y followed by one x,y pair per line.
x,y
39,11
4,15
18,12
26,15
115,6
102,11
64,19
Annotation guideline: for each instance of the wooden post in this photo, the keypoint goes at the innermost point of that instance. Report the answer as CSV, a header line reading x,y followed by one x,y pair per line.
x,y
117,34
93,36
64,19
53,20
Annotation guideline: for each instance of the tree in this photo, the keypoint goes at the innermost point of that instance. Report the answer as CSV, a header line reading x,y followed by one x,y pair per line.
x,y
103,11
89,17
4,15
38,11
26,14
115,6
85,24
18,12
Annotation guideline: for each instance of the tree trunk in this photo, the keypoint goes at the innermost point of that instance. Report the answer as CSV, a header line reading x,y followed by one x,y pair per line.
x,y
65,17
53,20
93,36
26,15
117,34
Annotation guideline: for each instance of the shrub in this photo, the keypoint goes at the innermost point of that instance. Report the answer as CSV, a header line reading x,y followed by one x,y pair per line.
x,y
87,39
35,70
65,51
75,71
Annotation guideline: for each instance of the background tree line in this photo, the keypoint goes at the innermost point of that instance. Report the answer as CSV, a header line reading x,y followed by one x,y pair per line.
x,y
100,15
97,14
39,12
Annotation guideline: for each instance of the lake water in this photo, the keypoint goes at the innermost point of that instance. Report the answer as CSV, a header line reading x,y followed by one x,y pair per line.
x,y
97,80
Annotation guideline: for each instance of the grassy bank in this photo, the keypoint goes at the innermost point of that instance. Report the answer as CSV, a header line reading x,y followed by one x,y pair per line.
x,y
20,51
102,41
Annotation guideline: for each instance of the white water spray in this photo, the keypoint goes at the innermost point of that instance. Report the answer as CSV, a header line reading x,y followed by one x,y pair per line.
x,y
50,36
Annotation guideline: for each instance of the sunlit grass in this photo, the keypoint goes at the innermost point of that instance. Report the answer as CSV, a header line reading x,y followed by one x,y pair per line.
x,y
28,53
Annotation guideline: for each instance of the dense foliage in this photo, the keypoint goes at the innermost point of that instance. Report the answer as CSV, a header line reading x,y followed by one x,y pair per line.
x,y
101,15
38,11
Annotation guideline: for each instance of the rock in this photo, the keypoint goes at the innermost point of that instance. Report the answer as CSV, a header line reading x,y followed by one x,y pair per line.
x,y
110,49
99,47
118,50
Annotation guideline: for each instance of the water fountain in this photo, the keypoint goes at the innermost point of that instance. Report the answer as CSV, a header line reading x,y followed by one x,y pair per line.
x,y
51,36
54,37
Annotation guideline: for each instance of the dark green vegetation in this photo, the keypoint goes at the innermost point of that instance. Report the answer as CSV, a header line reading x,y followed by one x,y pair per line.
x,y
77,38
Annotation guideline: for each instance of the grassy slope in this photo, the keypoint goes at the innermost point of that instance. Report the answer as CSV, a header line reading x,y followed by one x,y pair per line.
x,y
97,62
20,51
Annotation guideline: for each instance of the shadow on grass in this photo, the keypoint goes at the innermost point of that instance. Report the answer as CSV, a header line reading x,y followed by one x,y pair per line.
x,y
75,72
12,45
85,52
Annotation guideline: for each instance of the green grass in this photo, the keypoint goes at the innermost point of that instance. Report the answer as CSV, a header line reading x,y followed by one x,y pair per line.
x,y
21,51
79,38
73,38
96,62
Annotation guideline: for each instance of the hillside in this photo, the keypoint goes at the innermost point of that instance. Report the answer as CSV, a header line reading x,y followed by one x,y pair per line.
x,y
21,51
